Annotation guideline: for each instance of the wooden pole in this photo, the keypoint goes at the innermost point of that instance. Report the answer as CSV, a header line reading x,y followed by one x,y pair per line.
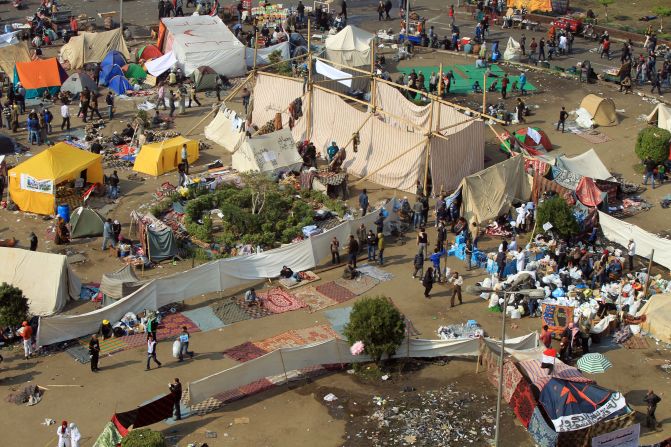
x,y
647,280
256,47
456,124
308,106
440,83
391,161
484,93
428,151
341,65
358,130
373,89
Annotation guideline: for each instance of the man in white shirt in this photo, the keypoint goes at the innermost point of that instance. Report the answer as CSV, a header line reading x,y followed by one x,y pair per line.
x,y
521,259
185,159
631,251
457,281
65,114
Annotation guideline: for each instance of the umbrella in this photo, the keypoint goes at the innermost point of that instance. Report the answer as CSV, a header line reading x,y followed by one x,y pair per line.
x,y
593,363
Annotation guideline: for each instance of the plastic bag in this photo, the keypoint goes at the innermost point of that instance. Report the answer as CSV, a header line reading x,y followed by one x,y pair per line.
x,y
176,346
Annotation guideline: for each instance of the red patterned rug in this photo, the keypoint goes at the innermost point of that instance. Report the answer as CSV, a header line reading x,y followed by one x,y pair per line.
x,y
316,334
511,378
244,352
335,292
523,403
171,326
256,387
286,339
278,300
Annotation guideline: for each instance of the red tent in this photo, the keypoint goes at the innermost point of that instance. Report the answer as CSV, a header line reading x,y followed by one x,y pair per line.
x,y
148,52
534,138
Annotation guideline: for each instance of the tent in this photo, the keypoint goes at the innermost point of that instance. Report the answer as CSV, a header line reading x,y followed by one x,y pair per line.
x,y
532,139
108,72
588,193
40,75
513,51
10,55
531,5
119,84
159,158
32,184
658,317
491,192
351,47
263,54
94,47
119,284
134,71
114,58
160,243
148,52
226,129
191,40
204,78
56,285
76,83
85,222
661,116
587,164
270,153
601,110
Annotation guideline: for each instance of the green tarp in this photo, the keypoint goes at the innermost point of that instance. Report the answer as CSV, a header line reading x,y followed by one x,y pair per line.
x,y
161,244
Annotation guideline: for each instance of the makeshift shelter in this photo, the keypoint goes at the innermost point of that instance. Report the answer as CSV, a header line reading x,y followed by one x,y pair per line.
x,y
119,284
108,72
148,52
10,55
119,84
270,153
32,184
226,129
601,110
263,54
350,47
76,82
159,158
85,48
204,78
134,71
85,222
657,313
661,117
587,164
531,5
489,193
157,239
588,193
191,40
40,75
513,51
531,139
114,58
45,278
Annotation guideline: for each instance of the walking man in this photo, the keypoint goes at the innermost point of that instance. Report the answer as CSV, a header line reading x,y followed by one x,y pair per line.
x,y
363,202
427,281
184,344
192,96
185,159
246,95
94,352
151,352
631,253
422,242
371,241
171,102
418,265
353,249
650,166
108,235
504,86
457,281
380,247
176,391
109,100
335,251
562,119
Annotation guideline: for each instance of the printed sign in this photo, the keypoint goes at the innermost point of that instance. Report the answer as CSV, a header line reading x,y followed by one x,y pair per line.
x,y
624,437
556,317
32,184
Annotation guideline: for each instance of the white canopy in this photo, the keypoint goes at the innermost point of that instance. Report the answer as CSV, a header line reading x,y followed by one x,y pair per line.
x,y
204,40
351,47
271,153
513,50
587,164
661,116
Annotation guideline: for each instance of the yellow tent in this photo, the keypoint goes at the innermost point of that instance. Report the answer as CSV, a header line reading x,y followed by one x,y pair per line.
x,y
32,184
532,5
159,158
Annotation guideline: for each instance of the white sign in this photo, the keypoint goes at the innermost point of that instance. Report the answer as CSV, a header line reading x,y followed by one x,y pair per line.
x,y
624,437
32,184
547,226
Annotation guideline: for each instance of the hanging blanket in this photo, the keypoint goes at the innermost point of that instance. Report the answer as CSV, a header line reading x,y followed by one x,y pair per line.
x,y
523,402
543,434
313,299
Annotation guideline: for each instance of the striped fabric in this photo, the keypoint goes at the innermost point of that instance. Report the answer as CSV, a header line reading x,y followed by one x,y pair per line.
x,y
539,377
460,156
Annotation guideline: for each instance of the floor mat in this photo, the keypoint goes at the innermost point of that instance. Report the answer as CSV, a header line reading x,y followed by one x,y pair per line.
x,y
335,292
375,272
228,311
109,346
313,299
254,312
171,326
358,286
288,339
79,353
636,342
204,318
306,278
278,300
244,352
338,318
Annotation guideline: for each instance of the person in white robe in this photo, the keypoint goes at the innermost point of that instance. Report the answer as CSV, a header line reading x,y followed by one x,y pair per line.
x,y
75,436
63,433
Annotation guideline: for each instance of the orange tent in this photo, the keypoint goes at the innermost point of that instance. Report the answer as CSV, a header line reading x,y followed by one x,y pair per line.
x,y
39,75
148,52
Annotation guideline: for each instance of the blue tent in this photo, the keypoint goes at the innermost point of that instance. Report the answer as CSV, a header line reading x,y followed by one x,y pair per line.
x,y
120,84
108,72
113,57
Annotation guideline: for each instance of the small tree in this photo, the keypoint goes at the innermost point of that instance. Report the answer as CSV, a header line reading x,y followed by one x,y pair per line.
x,y
378,324
662,11
605,4
653,142
556,211
143,437
13,305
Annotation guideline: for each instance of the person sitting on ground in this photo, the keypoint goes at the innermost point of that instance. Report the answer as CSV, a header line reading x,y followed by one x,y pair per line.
x,y
350,272
286,272
476,87
251,298
106,330
625,85
128,131
156,120
480,62
494,86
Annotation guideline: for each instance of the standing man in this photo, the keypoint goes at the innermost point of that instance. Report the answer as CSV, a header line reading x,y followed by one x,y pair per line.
x,y
387,9
33,241
114,185
94,352
541,49
457,281
363,202
451,14
417,208
523,43
353,249
427,281
26,333
108,234
380,247
650,166
151,351
362,236
185,159
652,400
422,242
192,96
171,103
631,253
160,100
468,253
179,8
109,100
504,86
418,266
246,95
372,242
546,336
562,119
176,391
301,12
184,344
152,324
335,251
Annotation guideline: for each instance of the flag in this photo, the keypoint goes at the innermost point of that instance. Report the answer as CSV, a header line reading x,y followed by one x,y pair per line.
x,y
215,8
88,192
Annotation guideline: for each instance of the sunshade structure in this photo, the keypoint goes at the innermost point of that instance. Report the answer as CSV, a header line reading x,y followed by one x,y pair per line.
x,y
657,313
661,117
148,52
593,363
351,47
114,58
39,76
119,84
85,222
202,40
532,139
270,153
76,82
602,110
587,164
159,158
32,184
7,145
204,78
108,72
134,71
11,54
45,278
226,129
94,47
119,284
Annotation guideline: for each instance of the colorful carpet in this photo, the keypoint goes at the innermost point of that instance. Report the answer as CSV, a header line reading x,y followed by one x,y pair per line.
x,y
204,318
244,352
523,402
288,339
228,311
306,278
594,137
322,332
254,312
375,272
511,378
313,299
279,301
206,406
79,353
171,326
358,286
539,376
636,342
335,292
338,318
109,346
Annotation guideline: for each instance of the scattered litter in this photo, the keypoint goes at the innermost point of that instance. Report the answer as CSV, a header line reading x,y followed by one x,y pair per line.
x,y
48,422
330,397
242,420
385,377
211,434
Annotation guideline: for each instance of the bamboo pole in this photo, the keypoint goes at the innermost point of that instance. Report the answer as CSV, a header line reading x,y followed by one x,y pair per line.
x,y
484,93
440,94
647,280
275,75
358,130
496,133
456,124
391,161
308,105
256,47
326,61
373,89
428,151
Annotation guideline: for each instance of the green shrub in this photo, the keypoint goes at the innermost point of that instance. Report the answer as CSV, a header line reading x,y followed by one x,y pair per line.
x,y
161,207
653,142
378,324
143,437
556,211
13,305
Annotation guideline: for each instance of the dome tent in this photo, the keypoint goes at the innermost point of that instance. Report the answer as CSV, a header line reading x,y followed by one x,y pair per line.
x,y
351,47
108,72
76,82
148,52
204,78
113,58
85,222
134,71
602,110
120,84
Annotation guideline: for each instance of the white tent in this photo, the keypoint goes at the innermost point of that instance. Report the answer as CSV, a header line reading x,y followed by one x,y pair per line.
x,y
661,116
513,51
56,284
226,129
203,40
351,47
270,153
587,164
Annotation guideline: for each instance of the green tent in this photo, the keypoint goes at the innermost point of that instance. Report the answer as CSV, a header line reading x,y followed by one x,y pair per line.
x,y
204,78
136,72
85,222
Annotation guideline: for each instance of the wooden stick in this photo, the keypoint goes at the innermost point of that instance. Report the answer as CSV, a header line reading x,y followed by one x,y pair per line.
x,y
391,161
647,280
256,47
340,79
326,61
373,89
456,124
484,93
428,151
358,130
308,108
275,75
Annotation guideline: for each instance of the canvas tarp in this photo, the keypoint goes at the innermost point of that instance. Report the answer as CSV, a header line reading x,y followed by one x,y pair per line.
x,y
262,54
602,110
9,39
658,317
56,284
661,116
270,153
531,5
158,158
85,222
226,129
121,283
351,47
621,232
11,54
191,40
489,193
40,75
513,51
32,184
161,244
93,47
587,164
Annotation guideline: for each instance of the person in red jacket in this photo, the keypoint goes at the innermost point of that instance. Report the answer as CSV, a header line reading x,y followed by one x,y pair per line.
x,y
26,333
